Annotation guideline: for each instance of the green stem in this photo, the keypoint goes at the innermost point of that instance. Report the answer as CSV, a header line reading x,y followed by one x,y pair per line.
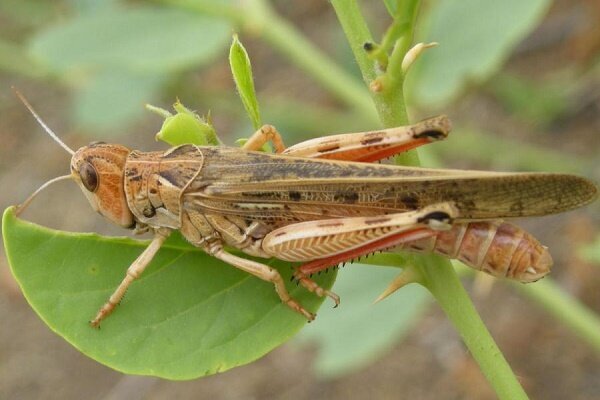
x,y
408,11
566,309
442,281
389,100
437,273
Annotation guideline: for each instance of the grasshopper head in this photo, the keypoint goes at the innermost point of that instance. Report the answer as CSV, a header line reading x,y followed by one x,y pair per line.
x,y
98,170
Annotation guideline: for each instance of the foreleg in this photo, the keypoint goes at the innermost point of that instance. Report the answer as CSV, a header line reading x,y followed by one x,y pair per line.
x,y
133,272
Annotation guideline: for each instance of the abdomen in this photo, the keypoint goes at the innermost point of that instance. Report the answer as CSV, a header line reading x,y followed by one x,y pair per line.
x,y
498,248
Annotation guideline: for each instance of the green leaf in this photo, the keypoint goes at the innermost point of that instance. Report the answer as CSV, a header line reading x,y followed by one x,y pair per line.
x,y
359,332
188,315
186,127
113,99
476,37
142,39
242,75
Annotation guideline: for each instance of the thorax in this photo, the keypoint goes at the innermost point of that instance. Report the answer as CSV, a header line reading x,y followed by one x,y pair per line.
x,y
155,182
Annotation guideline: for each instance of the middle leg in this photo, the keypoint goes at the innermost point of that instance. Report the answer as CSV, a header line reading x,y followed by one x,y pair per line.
x,y
265,134
263,272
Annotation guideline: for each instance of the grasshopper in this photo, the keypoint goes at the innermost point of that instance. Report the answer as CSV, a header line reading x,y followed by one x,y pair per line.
x,y
320,203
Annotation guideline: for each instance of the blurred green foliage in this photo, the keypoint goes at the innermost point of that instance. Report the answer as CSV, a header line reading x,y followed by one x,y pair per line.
x,y
541,103
118,58
477,37
360,332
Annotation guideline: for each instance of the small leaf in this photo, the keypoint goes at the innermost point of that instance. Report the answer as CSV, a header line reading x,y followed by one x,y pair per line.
x,y
187,316
242,75
476,37
356,333
187,127
142,39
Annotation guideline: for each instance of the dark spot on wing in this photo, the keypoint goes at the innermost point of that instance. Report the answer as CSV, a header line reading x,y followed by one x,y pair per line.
x,y
410,202
296,196
346,197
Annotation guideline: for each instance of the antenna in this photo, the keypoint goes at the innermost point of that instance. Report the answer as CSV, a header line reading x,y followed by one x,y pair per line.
x,y
41,122
23,206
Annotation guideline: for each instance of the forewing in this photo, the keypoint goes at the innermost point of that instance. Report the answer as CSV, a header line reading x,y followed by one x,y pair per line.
x,y
258,184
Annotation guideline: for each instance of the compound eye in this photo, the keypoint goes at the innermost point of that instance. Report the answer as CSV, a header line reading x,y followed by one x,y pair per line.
x,y
89,176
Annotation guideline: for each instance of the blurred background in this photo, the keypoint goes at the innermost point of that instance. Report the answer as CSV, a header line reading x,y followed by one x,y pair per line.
x,y
520,80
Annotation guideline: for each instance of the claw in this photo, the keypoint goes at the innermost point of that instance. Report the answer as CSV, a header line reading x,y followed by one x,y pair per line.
x,y
334,297
294,305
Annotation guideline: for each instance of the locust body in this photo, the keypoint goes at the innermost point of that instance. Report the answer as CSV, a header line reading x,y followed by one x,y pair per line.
x,y
322,203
